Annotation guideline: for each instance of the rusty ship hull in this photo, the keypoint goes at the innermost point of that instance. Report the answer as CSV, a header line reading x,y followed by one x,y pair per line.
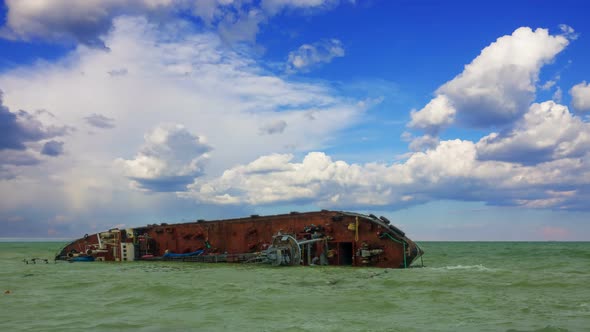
x,y
309,238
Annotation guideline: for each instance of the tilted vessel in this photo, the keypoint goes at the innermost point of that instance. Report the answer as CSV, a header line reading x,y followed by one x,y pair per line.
x,y
307,238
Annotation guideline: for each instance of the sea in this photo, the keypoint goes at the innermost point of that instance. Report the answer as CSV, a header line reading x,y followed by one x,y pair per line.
x,y
463,286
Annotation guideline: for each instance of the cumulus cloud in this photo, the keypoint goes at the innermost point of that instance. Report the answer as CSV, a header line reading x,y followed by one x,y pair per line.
x,y
170,158
311,55
436,115
542,162
541,145
548,131
100,121
499,84
450,171
275,178
581,96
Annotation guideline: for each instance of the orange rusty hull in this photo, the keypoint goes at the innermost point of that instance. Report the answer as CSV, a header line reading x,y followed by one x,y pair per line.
x,y
327,237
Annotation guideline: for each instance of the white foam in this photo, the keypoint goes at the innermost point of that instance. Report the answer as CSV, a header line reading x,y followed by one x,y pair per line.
x,y
468,267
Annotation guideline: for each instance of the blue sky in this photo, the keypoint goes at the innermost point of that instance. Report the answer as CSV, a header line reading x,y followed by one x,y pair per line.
x,y
456,120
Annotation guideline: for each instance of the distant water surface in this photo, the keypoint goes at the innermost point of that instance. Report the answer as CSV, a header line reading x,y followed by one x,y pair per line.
x,y
465,286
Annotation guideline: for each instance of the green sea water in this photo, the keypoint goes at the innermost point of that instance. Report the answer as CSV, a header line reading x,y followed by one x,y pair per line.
x,y
465,286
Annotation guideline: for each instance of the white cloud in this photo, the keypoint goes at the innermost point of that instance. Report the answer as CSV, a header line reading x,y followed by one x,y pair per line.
x,y
450,171
275,6
498,85
548,85
273,178
548,131
167,73
170,158
310,55
568,31
557,95
581,96
174,75
436,115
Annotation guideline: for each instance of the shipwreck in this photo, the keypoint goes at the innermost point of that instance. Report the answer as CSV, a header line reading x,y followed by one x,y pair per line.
x,y
307,238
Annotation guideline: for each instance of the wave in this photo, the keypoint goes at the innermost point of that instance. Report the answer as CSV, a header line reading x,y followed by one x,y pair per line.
x,y
478,267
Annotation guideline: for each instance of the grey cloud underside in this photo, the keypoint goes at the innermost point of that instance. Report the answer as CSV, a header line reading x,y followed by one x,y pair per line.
x,y
17,129
86,22
548,131
14,133
53,148
272,128
11,162
72,21
118,72
20,130
491,107
18,158
100,121
164,183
